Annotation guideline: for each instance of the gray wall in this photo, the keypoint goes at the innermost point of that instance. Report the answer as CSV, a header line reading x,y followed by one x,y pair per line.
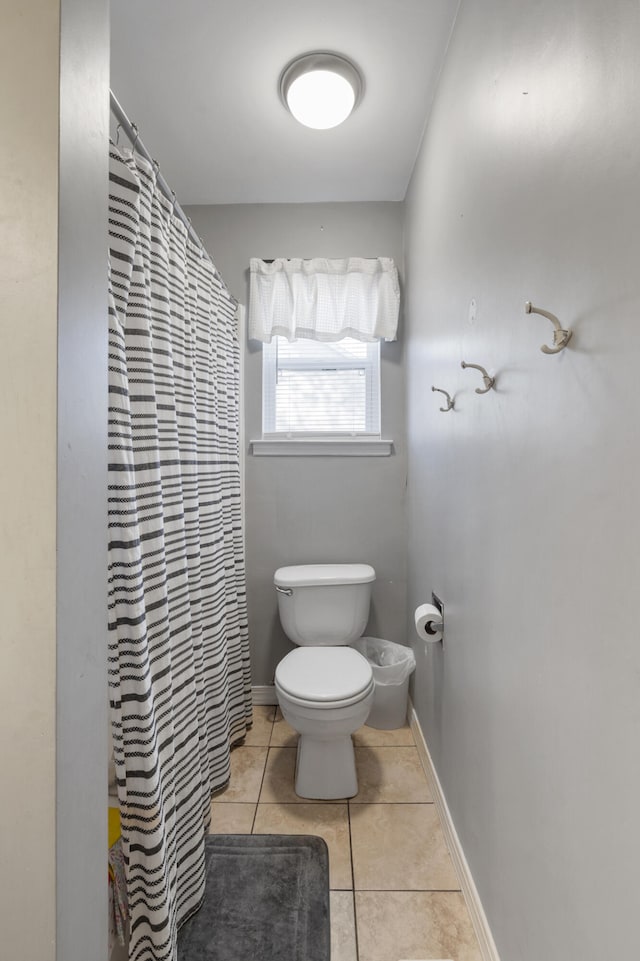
x,y
316,509
523,503
81,694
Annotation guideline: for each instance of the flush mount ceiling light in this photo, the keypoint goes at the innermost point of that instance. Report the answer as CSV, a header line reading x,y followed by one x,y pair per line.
x,y
320,89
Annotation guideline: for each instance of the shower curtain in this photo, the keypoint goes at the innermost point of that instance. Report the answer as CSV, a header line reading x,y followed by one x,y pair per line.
x,y
179,679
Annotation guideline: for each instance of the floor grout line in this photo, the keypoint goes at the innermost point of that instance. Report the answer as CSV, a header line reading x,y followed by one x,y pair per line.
x,y
354,801
264,771
407,891
337,802
353,882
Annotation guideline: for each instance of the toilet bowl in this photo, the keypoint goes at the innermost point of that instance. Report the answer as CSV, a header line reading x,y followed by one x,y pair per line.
x,y
324,688
325,694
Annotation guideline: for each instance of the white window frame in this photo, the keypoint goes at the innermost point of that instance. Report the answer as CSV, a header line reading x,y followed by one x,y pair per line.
x,y
316,443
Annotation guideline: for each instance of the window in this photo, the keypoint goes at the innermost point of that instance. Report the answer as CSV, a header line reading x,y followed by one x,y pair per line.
x,y
315,389
320,323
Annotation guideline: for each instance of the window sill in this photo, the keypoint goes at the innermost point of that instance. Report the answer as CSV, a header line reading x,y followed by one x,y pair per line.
x,y
313,447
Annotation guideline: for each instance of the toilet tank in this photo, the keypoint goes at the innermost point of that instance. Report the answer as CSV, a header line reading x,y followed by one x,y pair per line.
x,y
324,604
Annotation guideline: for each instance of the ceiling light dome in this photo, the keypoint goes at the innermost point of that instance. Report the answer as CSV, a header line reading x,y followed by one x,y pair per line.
x,y
320,89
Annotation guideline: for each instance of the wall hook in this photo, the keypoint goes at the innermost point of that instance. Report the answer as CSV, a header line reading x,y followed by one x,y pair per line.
x,y
561,337
489,382
450,405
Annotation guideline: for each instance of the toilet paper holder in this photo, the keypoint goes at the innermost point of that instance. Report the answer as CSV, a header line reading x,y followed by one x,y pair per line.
x,y
435,600
429,620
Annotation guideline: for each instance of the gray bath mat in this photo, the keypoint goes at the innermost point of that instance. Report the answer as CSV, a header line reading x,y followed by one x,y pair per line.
x,y
266,899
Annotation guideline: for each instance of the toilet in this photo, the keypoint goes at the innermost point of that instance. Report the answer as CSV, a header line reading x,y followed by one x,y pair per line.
x,y
324,688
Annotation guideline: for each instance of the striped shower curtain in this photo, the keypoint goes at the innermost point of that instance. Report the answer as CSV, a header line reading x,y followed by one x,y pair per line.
x,y
179,678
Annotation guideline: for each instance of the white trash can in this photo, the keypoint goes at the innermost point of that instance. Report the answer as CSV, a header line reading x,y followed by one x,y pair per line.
x,y
392,665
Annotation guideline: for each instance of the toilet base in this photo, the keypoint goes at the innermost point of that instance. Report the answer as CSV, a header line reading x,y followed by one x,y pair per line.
x,y
325,769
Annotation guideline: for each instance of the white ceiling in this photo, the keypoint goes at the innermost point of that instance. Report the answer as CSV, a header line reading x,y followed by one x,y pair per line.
x,y
200,79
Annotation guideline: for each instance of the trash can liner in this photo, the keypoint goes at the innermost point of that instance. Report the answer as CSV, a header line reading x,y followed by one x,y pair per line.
x,y
391,663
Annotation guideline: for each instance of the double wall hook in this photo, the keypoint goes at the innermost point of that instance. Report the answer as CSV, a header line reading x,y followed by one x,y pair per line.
x,y
561,337
450,405
489,382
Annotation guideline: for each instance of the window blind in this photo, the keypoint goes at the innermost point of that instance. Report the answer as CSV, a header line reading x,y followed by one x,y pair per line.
x,y
310,387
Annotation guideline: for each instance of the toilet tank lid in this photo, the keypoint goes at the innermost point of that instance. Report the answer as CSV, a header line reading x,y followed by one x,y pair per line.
x,y
312,575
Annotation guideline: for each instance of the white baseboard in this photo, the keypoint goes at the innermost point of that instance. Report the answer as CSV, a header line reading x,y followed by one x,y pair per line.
x,y
264,694
488,948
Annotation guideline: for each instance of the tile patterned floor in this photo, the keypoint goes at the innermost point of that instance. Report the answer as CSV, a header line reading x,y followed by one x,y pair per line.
x,y
394,892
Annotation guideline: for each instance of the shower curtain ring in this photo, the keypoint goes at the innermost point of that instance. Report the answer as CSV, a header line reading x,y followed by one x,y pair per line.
x,y
118,129
137,136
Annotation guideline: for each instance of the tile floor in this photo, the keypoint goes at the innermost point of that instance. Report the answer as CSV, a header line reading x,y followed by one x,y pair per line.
x,y
394,892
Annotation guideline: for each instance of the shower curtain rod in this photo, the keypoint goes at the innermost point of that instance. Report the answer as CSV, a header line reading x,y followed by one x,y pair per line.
x,y
131,132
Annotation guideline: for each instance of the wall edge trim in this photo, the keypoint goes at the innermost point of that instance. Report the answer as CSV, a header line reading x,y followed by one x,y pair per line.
x,y
264,694
479,921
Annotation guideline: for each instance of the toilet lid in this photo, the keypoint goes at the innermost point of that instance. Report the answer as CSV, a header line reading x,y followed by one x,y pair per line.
x,y
324,673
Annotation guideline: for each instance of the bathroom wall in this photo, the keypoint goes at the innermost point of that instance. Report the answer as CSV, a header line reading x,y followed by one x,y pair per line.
x,y
81,555
27,723
54,73
523,502
316,509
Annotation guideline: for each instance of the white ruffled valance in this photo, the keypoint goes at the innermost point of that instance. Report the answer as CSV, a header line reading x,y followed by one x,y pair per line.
x,y
323,299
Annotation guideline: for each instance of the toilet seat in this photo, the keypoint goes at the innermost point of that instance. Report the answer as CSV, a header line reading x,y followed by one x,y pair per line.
x,y
327,677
